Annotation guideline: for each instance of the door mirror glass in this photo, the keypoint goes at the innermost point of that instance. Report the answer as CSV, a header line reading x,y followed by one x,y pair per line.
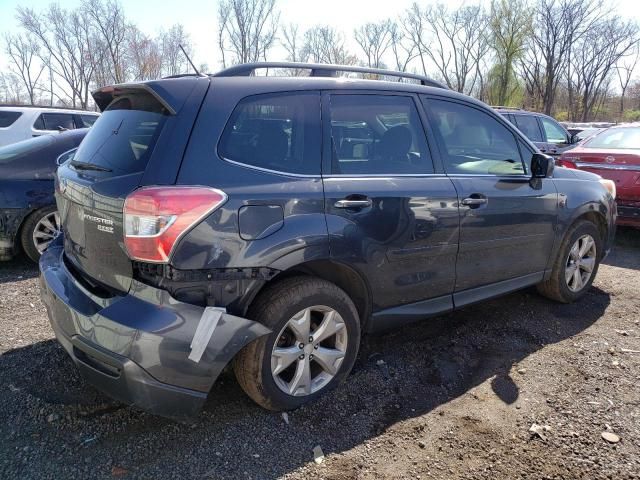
x,y
541,166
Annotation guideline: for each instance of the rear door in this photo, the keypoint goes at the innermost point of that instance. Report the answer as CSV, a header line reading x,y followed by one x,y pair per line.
x,y
506,219
136,138
52,122
390,213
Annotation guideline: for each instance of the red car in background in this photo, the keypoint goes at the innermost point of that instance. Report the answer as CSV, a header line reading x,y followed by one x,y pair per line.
x,y
613,153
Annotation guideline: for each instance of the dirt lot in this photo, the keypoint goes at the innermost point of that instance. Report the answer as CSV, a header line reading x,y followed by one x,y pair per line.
x,y
452,397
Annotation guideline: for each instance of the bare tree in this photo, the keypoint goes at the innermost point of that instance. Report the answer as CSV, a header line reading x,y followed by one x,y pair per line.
x,y
374,39
594,57
558,25
67,46
404,50
11,88
174,61
246,29
324,44
22,51
144,56
454,39
625,69
107,17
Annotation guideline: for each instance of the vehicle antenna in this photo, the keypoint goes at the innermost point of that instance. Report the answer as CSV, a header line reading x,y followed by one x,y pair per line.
x,y
190,62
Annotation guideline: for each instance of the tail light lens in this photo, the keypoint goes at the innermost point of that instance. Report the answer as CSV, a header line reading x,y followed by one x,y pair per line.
x,y
567,162
155,218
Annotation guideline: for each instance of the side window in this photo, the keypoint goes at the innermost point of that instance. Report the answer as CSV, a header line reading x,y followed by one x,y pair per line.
x,y
87,120
275,131
377,134
528,124
57,121
554,132
473,141
39,123
8,118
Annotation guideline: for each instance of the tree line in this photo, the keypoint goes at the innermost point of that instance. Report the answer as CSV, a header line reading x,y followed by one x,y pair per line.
x,y
575,59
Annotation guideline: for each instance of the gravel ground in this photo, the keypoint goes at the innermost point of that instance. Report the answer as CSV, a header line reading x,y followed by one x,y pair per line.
x,y
452,397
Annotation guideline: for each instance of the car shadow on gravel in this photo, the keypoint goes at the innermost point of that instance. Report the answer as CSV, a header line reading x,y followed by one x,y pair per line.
x,y
398,376
18,268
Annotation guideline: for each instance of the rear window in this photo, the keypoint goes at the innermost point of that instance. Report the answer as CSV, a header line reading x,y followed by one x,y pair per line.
x,y
624,138
276,131
15,150
123,137
8,118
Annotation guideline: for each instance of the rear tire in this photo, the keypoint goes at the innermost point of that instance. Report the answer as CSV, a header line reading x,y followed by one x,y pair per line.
x,y
576,264
38,230
289,367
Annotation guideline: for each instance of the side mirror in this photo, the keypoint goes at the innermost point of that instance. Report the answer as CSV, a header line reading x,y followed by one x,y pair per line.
x,y
541,165
573,139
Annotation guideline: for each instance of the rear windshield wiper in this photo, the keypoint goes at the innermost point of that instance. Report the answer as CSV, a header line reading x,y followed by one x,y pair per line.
x,y
88,166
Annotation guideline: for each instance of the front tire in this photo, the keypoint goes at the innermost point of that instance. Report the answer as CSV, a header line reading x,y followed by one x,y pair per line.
x,y
312,348
39,230
576,264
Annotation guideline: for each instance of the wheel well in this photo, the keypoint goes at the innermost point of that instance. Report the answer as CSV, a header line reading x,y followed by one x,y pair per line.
x,y
598,220
344,277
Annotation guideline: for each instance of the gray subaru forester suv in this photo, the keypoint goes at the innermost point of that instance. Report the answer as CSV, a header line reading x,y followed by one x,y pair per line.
x,y
269,222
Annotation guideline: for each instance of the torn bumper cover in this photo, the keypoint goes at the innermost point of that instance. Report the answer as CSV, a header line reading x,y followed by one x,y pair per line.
x,y
138,347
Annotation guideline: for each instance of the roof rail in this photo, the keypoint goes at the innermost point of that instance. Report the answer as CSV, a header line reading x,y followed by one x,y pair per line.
x,y
322,70
505,108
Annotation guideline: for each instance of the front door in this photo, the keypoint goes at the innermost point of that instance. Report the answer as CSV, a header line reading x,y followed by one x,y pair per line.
x,y
389,213
506,218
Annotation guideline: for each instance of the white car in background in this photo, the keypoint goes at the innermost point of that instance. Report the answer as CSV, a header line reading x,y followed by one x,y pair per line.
x,y
22,122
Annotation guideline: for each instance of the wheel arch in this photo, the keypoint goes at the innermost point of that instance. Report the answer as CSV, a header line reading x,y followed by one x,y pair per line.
x,y
340,274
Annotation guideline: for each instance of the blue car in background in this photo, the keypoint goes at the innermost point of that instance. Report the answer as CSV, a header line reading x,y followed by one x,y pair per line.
x,y
28,216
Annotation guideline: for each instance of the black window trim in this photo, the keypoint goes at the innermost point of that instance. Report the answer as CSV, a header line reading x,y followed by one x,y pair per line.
x,y
14,120
263,169
496,116
327,150
536,118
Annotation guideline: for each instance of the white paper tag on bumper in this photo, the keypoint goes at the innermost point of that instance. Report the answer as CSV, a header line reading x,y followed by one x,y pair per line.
x,y
207,324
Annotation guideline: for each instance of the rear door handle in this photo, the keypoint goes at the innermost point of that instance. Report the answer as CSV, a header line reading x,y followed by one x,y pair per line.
x,y
474,202
345,203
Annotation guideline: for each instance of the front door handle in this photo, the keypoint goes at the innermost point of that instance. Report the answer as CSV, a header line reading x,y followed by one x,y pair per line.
x,y
345,203
474,202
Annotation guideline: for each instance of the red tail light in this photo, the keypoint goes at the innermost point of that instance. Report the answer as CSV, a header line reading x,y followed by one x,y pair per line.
x,y
155,218
568,162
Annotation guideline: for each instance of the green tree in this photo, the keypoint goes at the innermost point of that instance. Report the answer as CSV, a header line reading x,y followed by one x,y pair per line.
x,y
510,24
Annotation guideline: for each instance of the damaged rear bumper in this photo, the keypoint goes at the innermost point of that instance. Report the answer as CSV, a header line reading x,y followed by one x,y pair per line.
x,y
135,347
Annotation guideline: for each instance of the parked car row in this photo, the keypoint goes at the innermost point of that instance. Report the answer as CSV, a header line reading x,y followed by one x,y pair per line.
x,y
19,123
268,222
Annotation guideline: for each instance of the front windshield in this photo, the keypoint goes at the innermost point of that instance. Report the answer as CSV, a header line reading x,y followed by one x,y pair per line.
x,y
616,138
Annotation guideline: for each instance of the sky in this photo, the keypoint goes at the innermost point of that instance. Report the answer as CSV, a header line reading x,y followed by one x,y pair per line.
x,y
199,17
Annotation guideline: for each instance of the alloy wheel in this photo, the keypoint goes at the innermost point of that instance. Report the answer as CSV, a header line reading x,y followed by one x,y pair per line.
x,y
45,231
309,351
580,263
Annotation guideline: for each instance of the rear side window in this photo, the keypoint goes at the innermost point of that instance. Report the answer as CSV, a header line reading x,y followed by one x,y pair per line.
x,y
87,121
8,118
377,134
473,141
554,132
123,137
278,132
54,121
528,124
